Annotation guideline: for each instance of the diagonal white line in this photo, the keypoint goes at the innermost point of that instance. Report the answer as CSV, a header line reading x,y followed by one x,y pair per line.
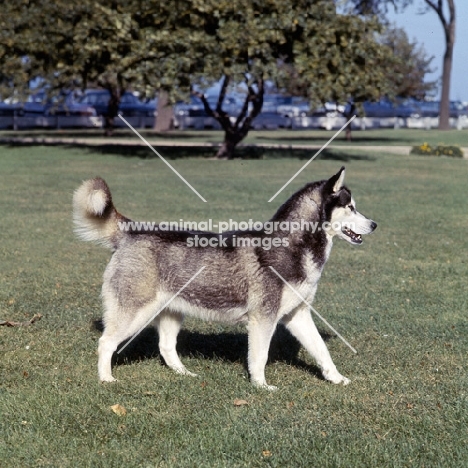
x,y
313,310
312,158
162,308
157,154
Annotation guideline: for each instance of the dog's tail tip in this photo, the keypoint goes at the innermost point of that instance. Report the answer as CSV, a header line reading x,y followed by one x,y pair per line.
x,y
94,212
93,196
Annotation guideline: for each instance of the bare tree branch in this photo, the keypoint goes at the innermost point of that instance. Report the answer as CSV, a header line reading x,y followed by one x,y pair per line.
x,y
446,22
440,12
257,104
243,111
221,116
222,94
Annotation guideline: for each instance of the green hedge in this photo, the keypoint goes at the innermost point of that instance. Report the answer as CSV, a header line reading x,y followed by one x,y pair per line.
x,y
439,150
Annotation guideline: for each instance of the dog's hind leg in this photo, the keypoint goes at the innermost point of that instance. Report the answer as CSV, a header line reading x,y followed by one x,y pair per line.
x,y
119,325
107,345
114,334
302,326
260,332
168,324
117,328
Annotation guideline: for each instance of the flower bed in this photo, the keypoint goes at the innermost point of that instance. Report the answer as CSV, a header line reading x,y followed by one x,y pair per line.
x,y
439,150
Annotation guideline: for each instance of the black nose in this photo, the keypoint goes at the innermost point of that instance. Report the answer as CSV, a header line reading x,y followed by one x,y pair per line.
x,y
373,225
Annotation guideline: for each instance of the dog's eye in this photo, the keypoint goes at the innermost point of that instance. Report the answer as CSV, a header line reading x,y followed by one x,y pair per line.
x,y
351,207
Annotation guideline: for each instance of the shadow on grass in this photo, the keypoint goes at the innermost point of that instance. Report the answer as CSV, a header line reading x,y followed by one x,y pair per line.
x,y
185,152
118,133
245,153
226,346
320,139
143,152
334,155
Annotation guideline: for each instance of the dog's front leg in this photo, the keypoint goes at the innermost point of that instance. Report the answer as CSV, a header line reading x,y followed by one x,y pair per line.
x,y
260,332
302,326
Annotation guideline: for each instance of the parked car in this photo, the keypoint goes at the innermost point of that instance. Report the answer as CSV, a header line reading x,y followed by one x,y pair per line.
x,y
270,121
42,110
334,109
385,108
425,109
130,106
288,106
323,111
192,114
432,108
64,104
8,109
457,109
42,104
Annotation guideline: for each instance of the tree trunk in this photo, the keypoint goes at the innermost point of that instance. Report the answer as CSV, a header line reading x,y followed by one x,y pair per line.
x,y
444,111
349,136
112,111
350,111
235,130
449,31
165,114
231,140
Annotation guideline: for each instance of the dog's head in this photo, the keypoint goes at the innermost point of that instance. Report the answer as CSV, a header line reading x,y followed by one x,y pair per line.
x,y
329,206
339,208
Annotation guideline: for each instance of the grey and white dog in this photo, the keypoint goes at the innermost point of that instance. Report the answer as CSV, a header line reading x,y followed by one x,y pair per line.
x,y
238,283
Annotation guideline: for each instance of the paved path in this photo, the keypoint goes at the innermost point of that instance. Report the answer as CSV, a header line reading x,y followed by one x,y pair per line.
x,y
161,143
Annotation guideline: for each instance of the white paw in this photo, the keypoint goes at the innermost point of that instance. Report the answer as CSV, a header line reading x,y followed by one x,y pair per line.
x,y
265,386
336,378
184,371
345,380
108,379
270,388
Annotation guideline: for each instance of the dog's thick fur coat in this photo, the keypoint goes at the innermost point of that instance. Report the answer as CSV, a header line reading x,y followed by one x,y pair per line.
x,y
148,268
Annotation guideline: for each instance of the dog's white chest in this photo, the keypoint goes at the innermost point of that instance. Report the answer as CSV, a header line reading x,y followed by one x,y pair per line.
x,y
296,293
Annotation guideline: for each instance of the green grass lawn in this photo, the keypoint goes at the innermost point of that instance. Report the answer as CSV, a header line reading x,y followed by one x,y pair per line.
x,y
400,299
384,137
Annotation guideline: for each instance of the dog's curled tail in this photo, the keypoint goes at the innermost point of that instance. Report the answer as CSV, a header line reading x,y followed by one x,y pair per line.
x,y
94,215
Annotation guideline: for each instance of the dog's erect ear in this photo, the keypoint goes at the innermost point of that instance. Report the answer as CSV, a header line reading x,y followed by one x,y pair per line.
x,y
335,182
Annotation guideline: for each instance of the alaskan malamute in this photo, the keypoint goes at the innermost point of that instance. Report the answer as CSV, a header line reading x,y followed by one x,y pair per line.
x,y
239,282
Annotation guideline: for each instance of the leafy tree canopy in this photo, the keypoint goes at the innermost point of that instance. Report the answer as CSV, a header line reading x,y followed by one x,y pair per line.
x,y
410,66
159,45
154,44
446,12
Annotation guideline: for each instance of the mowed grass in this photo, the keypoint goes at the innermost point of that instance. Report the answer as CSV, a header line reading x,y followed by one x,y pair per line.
x,y
385,137
400,299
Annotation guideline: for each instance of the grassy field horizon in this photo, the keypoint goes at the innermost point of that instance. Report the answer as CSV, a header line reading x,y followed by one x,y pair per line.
x,y
399,299
375,137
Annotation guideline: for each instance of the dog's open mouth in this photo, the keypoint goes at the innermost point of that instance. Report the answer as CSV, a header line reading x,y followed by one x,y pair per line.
x,y
354,238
